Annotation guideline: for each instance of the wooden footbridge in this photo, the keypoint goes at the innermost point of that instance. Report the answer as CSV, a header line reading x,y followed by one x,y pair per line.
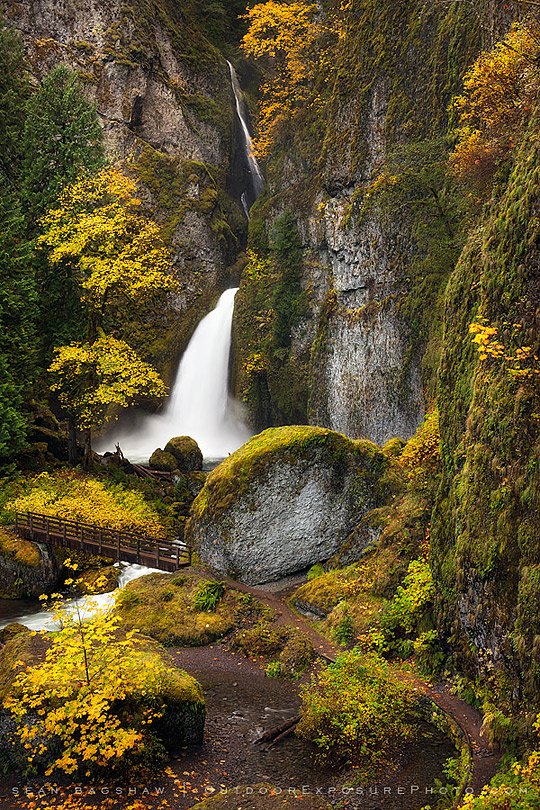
x,y
129,547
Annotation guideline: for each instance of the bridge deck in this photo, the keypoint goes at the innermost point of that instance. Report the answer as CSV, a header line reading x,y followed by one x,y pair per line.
x,y
130,547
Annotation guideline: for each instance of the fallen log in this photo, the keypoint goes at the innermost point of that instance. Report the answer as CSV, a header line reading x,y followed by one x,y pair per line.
x,y
277,731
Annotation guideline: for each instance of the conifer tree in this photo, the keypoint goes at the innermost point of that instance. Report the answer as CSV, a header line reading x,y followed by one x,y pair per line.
x,y
17,319
14,91
62,137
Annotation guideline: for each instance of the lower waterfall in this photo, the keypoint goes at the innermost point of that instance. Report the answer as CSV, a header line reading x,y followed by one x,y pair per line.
x,y
200,405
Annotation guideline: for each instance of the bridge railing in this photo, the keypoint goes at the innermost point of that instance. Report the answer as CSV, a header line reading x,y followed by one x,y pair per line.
x,y
164,554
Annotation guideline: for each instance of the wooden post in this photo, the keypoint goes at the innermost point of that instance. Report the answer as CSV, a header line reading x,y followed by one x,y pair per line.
x,y
101,541
177,557
47,533
17,522
31,525
119,545
138,550
64,535
157,554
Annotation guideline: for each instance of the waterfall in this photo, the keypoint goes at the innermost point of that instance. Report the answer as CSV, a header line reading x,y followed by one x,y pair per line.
x,y
200,405
255,175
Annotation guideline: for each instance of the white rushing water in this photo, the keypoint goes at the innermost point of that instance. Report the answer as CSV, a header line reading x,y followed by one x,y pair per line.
x,y
87,605
200,405
257,179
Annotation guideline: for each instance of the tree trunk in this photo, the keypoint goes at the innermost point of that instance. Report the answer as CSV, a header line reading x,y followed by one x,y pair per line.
x,y
73,449
87,461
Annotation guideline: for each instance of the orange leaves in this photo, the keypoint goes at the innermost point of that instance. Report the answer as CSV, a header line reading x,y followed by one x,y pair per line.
x,y
283,34
498,90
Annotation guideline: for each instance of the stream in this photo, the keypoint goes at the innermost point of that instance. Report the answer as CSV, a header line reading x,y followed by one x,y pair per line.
x,y
30,612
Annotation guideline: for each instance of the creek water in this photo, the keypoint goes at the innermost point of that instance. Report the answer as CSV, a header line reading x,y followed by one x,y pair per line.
x,y
31,613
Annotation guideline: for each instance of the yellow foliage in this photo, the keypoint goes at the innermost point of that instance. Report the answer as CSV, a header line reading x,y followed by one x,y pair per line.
x,y
98,228
21,550
421,456
74,497
75,695
498,91
91,378
286,34
521,363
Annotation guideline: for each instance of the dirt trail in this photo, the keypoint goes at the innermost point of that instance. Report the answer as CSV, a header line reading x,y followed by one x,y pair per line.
x,y
484,761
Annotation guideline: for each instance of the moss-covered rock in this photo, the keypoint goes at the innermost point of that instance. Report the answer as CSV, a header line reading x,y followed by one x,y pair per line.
x,y
26,569
285,500
162,460
187,453
180,700
261,797
163,606
100,580
486,525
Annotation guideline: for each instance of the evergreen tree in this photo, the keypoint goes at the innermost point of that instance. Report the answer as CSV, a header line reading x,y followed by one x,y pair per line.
x,y
14,91
17,333
62,137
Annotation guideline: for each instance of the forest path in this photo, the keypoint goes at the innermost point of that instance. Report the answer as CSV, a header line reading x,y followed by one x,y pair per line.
x,y
484,761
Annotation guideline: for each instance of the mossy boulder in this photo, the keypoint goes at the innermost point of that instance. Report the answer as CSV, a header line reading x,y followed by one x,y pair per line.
x,y
26,569
285,500
163,606
182,708
187,453
261,797
163,461
99,580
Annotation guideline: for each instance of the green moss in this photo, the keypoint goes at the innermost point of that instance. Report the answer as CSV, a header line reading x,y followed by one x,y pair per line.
x,y
162,606
187,453
486,525
162,460
271,374
18,549
234,476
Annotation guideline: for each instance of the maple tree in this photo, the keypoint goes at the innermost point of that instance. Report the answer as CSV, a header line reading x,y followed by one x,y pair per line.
x,y
79,696
118,259
498,91
284,35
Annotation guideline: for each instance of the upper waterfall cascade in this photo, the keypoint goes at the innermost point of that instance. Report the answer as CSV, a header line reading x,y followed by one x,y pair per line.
x,y
255,174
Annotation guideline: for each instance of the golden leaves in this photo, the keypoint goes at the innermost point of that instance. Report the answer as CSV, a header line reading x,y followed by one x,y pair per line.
x,y
91,378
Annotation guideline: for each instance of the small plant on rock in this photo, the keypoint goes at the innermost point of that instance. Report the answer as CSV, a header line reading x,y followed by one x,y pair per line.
x,y
208,595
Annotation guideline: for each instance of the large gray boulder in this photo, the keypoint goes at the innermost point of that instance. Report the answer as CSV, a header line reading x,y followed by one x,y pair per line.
x,y
285,500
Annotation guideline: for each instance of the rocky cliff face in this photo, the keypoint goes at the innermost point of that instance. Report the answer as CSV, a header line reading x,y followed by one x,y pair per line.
x,y
486,525
373,274
164,98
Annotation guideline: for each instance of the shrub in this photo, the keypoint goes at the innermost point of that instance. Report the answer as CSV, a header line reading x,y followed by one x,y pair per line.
x,y
94,695
273,669
498,94
344,629
261,640
315,571
76,497
411,600
354,711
